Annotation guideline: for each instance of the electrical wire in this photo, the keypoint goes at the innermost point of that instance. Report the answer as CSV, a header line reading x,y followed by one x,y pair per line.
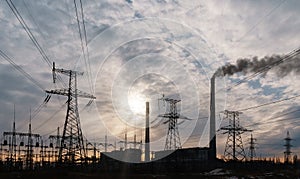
x,y
18,68
87,49
81,41
289,56
273,121
270,103
51,117
48,133
261,20
28,31
30,35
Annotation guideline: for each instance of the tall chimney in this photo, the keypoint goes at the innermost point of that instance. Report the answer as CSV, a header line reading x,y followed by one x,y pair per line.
x,y
147,135
212,131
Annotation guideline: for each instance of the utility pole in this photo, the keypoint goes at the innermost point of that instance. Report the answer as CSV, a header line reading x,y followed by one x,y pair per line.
x,y
14,140
105,144
72,148
57,139
234,149
29,156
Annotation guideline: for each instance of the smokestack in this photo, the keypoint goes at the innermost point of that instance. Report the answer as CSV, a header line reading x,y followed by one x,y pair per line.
x,y
212,131
147,135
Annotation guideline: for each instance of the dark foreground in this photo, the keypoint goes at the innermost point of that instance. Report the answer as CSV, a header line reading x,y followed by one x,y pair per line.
x,y
228,170
217,173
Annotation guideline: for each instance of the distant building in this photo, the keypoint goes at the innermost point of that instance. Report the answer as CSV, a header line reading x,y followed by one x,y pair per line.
x,y
127,155
181,160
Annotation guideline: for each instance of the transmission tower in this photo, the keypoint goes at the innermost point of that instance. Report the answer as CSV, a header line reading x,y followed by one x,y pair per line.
x,y
173,138
234,149
287,153
72,147
252,143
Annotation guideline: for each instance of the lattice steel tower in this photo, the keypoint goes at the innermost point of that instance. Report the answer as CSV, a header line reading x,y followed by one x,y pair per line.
x,y
287,153
252,143
234,149
173,138
72,148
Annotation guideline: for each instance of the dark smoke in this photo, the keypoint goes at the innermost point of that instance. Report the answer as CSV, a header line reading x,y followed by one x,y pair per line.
x,y
246,65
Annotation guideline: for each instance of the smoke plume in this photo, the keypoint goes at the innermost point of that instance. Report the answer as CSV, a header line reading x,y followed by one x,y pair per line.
x,y
247,65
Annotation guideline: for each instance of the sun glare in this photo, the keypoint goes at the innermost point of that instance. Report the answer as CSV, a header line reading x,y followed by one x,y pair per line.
x,y
137,103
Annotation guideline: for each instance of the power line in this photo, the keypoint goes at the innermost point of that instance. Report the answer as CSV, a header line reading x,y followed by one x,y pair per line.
x,y
270,103
31,36
279,120
28,31
54,114
273,121
289,56
17,67
261,20
81,41
39,108
52,131
87,49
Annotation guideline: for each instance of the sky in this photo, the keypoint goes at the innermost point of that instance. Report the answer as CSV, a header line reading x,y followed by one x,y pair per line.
x,y
136,51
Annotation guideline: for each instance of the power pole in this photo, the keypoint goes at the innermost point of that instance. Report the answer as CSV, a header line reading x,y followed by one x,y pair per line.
x,y
234,149
57,139
287,153
105,144
14,140
252,153
29,156
72,147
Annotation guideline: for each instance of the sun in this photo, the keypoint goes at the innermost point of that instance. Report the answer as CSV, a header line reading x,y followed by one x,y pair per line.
x,y
137,103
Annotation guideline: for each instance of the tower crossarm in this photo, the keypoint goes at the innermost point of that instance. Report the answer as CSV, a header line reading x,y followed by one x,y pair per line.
x,y
65,92
55,136
85,95
70,73
67,72
20,134
177,116
169,115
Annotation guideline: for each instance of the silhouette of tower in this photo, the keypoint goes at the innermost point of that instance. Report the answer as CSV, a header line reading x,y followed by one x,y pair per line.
x,y
13,152
173,138
252,143
234,149
287,153
29,152
72,147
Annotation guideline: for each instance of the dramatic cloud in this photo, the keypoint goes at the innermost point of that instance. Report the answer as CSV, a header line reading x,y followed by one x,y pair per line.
x,y
145,48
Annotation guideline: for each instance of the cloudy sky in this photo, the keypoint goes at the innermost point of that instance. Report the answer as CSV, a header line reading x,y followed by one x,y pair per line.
x,y
138,50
